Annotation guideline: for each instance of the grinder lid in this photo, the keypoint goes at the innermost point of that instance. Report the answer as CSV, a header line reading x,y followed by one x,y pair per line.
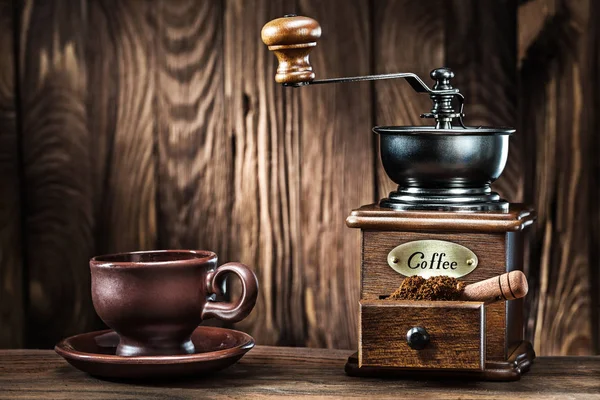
x,y
430,130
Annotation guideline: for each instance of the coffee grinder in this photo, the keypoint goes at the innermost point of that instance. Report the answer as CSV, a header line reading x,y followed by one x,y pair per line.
x,y
443,219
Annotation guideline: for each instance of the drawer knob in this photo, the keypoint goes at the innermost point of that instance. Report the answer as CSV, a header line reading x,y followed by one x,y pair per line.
x,y
417,338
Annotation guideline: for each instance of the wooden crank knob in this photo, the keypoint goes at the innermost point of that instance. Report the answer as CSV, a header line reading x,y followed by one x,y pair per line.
x,y
509,286
291,38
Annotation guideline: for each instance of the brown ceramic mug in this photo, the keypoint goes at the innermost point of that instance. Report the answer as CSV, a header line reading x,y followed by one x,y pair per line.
x,y
154,300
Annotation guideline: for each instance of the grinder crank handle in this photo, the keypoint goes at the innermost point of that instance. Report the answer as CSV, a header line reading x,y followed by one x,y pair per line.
x,y
291,39
509,286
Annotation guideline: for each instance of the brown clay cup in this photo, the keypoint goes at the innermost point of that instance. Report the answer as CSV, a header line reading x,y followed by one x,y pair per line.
x,y
154,300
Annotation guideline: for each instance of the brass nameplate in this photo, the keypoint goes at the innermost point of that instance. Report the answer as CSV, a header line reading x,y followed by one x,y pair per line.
x,y
428,258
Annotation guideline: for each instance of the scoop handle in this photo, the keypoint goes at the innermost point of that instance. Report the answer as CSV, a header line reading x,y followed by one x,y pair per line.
x,y
509,286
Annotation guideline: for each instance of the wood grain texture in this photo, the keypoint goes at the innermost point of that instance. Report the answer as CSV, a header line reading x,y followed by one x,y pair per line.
x,y
262,124
515,258
481,42
555,74
593,125
58,207
11,253
531,17
455,330
337,171
408,36
121,69
374,217
276,372
194,152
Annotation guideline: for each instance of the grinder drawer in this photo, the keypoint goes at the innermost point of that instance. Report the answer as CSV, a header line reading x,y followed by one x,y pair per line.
x,y
422,334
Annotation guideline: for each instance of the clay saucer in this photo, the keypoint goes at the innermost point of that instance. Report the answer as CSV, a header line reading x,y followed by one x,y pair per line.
x,y
94,353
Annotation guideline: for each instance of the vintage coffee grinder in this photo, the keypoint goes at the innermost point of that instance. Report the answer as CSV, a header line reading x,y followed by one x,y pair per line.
x,y
442,220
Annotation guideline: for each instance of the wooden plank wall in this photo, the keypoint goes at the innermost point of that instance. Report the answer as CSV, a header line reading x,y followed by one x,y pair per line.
x,y
157,124
558,69
57,166
12,311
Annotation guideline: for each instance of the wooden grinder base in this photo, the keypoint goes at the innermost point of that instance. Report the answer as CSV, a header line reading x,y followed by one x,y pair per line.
x,y
517,364
492,346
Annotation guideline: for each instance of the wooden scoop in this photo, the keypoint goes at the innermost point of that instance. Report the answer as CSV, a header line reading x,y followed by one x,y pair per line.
x,y
509,286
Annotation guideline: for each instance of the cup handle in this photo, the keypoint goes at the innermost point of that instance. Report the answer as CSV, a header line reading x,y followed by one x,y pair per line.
x,y
227,311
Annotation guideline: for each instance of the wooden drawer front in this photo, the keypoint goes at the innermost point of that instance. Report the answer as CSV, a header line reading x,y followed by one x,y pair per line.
x,y
455,329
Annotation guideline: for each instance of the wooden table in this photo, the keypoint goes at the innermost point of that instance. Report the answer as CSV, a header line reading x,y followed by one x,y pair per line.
x,y
275,372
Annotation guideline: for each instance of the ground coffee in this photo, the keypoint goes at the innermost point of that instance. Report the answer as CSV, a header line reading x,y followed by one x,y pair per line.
x,y
434,288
